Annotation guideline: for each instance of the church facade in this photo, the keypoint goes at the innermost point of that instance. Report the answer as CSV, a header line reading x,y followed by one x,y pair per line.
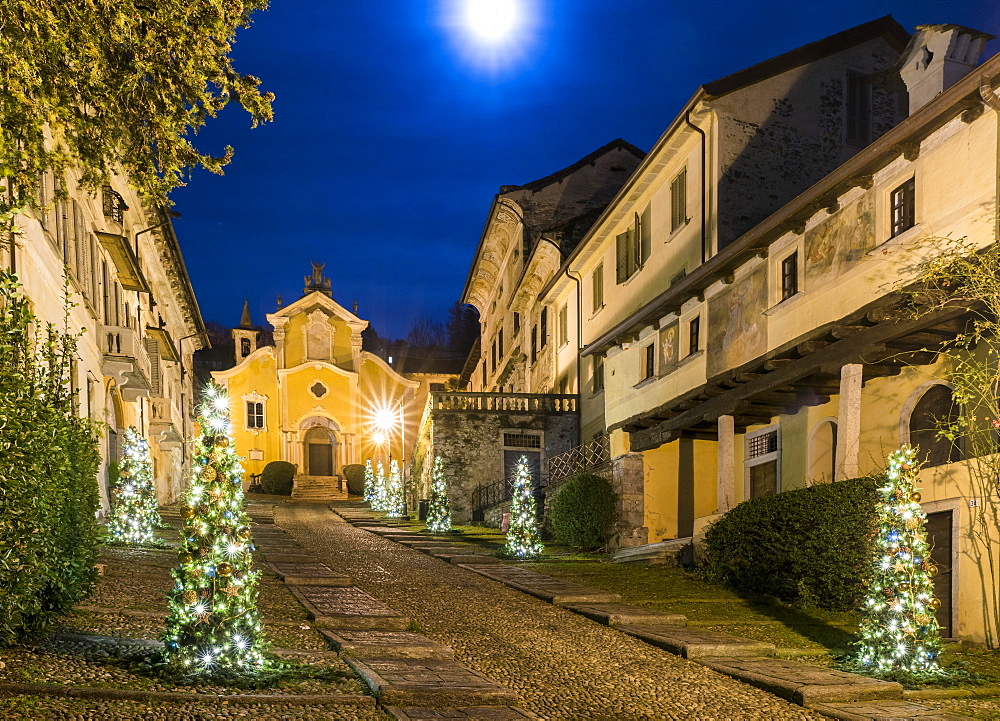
x,y
315,398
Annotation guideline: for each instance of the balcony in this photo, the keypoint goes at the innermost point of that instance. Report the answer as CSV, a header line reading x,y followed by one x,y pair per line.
x,y
503,402
165,422
125,361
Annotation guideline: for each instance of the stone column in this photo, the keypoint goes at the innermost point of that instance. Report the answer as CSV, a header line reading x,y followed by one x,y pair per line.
x,y
849,422
727,463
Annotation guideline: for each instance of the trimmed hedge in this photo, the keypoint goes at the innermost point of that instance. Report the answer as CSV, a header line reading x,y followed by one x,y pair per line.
x,y
355,475
49,536
811,546
583,511
276,478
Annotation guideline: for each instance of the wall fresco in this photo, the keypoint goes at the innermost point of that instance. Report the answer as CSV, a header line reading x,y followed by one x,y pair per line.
x,y
737,329
839,242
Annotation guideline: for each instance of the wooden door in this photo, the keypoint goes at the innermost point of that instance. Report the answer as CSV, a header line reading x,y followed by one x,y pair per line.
x,y
320,459
939,530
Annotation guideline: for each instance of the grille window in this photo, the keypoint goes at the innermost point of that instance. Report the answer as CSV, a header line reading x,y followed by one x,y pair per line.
x,y
762,445
522,440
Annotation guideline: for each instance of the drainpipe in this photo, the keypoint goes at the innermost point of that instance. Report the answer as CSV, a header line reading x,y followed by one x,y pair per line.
x,y
579,331
990,97
704,185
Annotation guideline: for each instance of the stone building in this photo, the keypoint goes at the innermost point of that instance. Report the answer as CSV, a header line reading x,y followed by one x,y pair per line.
x,y
133,299
315,398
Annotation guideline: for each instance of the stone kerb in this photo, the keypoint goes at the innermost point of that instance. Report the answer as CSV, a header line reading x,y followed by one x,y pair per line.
x,y
695,643
429,682
386,644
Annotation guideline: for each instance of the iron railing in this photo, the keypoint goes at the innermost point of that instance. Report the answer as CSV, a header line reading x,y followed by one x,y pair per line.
x,y
504,402
582,458
488,495
114,204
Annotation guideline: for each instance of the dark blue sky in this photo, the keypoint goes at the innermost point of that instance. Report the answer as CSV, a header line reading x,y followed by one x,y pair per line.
x,y
391,134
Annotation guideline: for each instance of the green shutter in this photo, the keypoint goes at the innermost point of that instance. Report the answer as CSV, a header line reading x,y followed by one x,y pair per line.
x,y
623,257
646,236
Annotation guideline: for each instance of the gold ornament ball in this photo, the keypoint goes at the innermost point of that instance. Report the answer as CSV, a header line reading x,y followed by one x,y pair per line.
x,y
915,497
934,603
185,557
243,533
190,598
187,513
208,474
221,442
904,586
912,523
922,618
208,441
224,569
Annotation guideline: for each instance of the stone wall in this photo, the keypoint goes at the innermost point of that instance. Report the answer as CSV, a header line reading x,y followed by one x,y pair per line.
x,y
471,445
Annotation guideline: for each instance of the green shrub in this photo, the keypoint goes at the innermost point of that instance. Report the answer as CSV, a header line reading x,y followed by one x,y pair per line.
x,y
49,536
810,546
583,512
355,475
276,478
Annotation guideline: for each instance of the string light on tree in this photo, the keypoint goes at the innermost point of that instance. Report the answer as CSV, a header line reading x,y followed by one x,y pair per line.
x,y
439,508
214,624
135,515
395,502
898,631
523,539
380,494
369,482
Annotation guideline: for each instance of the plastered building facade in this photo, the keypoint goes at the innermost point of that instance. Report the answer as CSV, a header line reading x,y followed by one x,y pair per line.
x,y
121,264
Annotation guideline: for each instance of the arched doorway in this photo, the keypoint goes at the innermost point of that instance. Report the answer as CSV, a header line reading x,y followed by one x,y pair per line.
x,y
823,452
935,408
320,447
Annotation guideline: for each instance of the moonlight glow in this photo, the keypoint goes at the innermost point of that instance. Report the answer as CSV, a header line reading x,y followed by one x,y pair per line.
x,y
492,21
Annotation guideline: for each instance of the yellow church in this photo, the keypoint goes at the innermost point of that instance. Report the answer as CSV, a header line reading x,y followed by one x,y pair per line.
x,y
315,398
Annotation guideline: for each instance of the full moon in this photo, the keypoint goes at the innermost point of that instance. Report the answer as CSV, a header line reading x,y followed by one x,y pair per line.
x,y
492,21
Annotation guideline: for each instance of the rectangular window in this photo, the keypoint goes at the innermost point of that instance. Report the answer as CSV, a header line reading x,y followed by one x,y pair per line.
x,y
517,323
597,287
500,344
493,355
678,200
484,374
563,325
522,440
903,202
762,455
255,414
543,328
649,361
534,343
563,385
632,247
790,276
694,335
598,373
858,108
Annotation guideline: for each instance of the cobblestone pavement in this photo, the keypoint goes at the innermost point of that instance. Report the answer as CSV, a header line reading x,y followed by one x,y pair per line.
x,y
560,664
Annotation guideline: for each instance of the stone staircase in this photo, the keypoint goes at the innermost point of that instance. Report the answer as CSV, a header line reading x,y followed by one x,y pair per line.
x,y
676,552
318,488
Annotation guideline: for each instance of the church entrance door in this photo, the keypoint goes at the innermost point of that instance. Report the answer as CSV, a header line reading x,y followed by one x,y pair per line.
x,y
320,459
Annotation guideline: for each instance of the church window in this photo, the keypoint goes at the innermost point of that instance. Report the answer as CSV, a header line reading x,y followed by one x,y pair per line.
x,y
255,415
317,389
244,347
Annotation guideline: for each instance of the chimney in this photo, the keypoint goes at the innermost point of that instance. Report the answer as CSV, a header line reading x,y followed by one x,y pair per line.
x,y
937,57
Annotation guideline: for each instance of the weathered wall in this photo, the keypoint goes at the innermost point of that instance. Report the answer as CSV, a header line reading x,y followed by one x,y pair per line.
x,y
470,444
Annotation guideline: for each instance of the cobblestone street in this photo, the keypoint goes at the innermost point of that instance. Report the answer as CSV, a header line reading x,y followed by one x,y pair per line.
x,y
560,664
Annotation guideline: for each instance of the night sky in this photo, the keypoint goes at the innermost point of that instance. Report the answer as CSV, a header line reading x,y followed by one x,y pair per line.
x,y
394,128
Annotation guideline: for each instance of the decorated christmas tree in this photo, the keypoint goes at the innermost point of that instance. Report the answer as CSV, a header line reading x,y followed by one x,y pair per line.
x,y
523,540
380,493
898,631
439,509
134,513
214,625
369,482
395,502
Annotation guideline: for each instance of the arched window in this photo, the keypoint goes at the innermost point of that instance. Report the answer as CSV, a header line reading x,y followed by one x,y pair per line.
x,y
244,347
935,407
823,452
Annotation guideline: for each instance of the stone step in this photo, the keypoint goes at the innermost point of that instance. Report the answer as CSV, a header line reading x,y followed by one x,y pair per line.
x,y
617,614
802,683
279,557
428,682
665,553
308,573
549,589
489,713
884,711
386,644
695,643
463,557
348,608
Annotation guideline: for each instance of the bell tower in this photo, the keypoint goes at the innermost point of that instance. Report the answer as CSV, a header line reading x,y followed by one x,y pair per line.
x,y
245,337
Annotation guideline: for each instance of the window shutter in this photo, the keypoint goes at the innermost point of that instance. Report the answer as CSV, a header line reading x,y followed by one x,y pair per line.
x,y
646,236
153,351
622,257
678,201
